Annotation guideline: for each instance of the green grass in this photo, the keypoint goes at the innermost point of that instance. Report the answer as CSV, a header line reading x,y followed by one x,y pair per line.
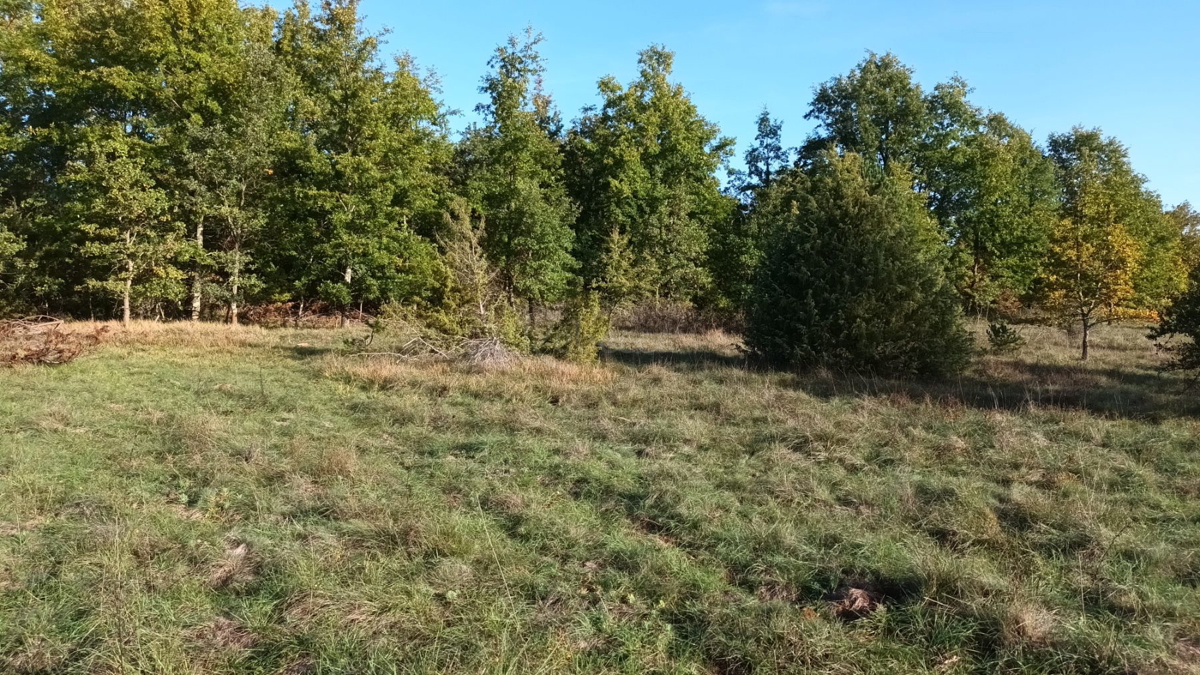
x,y
215,500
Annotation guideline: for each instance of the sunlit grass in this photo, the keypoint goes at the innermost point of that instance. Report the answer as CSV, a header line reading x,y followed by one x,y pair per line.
x,y
206,499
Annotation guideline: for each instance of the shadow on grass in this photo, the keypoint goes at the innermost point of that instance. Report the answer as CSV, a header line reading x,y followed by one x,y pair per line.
x,y
683,360
302,352
1010,384
1020,386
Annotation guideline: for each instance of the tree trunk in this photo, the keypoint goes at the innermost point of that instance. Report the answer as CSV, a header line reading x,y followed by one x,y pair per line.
x,y
235,281
198,277
349,276
1086,327
128,280
128,292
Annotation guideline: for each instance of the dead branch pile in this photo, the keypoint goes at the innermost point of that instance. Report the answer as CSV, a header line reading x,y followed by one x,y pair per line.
x,y
488,351
42,340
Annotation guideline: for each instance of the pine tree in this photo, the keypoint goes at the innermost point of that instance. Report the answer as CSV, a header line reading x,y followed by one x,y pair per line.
x,y
1182,319
854,279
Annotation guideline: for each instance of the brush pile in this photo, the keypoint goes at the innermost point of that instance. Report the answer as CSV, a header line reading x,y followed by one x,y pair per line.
x,y
42,340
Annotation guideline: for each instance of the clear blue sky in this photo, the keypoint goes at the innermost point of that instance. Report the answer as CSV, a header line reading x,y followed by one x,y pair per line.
x,y
1129,67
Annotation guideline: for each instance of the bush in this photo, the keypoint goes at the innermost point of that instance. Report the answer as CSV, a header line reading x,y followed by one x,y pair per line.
x,y
1004,338
854,279
577,335
671,316
1182,319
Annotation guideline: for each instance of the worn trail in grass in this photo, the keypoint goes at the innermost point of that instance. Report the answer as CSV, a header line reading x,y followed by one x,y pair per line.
x,y
207,500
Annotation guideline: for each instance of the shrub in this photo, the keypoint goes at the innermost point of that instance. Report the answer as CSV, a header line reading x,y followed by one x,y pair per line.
x,y
1003,337
1182,319
854,279
577,335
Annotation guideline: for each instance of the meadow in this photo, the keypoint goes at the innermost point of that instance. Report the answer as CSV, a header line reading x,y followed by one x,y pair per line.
x,y
206,499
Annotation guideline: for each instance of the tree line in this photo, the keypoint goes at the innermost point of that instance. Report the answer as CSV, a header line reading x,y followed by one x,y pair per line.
x,y
187,158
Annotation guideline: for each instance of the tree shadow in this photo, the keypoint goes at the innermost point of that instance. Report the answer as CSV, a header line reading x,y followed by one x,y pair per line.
x,y
1136,392
305,352
691,360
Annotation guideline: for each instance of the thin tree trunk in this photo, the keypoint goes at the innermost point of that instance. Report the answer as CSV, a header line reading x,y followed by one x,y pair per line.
x,y
1086,327
128,292
235,285
128,280
349,276
198,278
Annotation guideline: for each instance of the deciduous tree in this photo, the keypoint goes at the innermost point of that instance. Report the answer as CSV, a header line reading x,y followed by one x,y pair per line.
x,y
513,175
645,163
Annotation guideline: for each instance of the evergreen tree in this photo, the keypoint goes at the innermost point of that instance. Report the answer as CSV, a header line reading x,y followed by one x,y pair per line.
x,y
645,163
1182,319
738,241
512,172
854,278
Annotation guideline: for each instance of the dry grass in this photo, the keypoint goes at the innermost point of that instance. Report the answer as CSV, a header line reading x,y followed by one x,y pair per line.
x,y
207,499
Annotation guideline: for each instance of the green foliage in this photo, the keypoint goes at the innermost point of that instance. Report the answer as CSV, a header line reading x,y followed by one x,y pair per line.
x,y
876,111
994,194
1113,253
644,163
512,173
855,279
987,183
739,239
577,335
1004,338
1186,221
1181,320
357,166
133,244
10,270
1100,189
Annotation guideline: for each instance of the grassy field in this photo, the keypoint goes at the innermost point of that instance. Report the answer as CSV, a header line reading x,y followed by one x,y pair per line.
x,y
199,500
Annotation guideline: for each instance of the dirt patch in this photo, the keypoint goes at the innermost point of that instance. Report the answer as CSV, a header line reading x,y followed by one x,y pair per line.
x,y
851,603
223,635
238,566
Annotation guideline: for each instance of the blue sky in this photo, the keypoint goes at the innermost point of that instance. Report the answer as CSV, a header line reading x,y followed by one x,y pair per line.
x,y
1131,68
